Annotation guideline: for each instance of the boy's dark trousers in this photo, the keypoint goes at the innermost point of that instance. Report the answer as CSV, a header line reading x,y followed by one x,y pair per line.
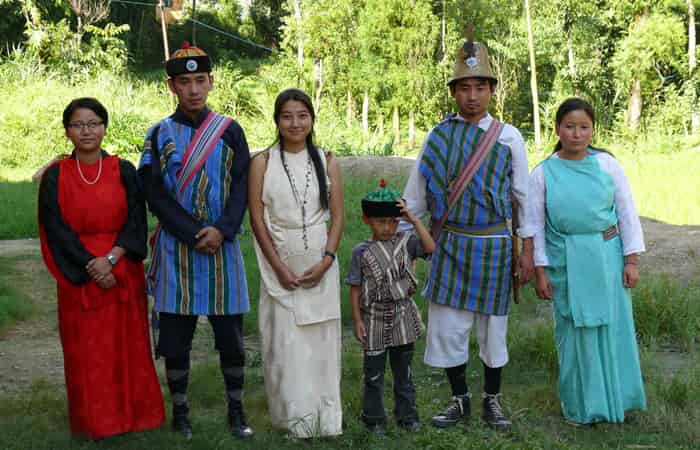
x,y
400,358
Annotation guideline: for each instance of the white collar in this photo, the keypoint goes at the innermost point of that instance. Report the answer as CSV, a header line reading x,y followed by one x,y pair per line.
x,y
484,122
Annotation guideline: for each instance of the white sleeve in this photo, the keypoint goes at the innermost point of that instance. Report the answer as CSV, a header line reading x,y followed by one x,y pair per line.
x,y
519,178
415,191
627,217
535,216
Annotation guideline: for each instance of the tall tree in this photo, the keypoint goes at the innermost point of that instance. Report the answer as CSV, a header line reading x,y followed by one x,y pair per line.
x,y
694,119
646,59
533,77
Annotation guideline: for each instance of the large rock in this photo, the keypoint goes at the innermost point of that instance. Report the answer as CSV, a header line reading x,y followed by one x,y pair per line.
x,y
376,166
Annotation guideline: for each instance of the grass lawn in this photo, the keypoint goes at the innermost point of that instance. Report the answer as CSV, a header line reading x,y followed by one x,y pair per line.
x,y
666,314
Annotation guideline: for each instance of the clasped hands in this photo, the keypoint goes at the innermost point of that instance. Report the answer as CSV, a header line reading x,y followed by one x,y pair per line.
x,y
209,240
310,278
100,270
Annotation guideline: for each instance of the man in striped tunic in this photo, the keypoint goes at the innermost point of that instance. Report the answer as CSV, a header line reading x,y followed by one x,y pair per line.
x,y
469,282
194,170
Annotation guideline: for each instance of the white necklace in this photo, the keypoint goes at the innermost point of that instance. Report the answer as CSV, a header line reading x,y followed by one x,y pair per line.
x,y
99,172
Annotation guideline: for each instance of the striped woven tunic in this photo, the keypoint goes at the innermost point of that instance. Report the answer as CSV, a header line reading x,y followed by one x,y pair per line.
x,y
384,272
181,279
470,268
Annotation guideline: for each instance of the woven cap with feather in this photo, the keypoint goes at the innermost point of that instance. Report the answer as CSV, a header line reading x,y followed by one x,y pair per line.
x,y
472,61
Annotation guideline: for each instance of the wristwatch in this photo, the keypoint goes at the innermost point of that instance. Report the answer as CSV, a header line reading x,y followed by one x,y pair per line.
x,y
111,258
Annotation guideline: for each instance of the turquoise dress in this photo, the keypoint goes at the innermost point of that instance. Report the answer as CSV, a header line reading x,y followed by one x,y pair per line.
x,y
599,372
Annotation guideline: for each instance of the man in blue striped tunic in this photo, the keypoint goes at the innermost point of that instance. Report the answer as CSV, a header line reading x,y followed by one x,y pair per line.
x,y
469,282
194,170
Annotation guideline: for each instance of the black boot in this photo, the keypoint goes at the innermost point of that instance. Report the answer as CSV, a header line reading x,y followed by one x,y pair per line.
x,y
181,424
238,425
458,410
493,413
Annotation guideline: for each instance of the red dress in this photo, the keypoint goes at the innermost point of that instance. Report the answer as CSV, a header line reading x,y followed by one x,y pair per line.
x,y
111,382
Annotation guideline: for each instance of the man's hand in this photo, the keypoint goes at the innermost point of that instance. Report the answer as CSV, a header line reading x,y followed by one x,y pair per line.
x,y
526,268
209,240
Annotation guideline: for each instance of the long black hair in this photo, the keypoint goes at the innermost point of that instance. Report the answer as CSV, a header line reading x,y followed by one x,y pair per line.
x,y
314,153
87,103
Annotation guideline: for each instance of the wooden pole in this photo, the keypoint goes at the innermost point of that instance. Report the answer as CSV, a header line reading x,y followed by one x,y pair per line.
x,y
365,114
194,24
166,48
397,130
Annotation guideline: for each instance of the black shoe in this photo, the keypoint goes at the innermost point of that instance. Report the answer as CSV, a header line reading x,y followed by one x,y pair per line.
x,y
181,424
239,427
377,429
411,427
458,410
493,413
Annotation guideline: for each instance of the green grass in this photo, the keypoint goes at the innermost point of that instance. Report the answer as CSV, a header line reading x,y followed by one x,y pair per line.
x,y
665,186
18,209
667,322
37,417
14,305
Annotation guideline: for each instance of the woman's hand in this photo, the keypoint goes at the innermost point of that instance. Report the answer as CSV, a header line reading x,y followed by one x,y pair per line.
x,y
98,268
107,282
288,279
630,275
543,287
313,275
360,331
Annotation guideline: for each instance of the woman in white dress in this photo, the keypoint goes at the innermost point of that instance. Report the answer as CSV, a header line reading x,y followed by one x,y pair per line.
x,y
293,191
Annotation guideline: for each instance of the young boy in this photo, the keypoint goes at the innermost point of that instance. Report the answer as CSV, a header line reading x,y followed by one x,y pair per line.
x,y
385,316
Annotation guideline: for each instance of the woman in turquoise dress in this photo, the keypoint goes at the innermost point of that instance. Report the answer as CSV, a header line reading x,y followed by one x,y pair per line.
x,y
587,240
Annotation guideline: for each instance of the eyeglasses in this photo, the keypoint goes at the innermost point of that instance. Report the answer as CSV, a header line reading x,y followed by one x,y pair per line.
x,y
79,126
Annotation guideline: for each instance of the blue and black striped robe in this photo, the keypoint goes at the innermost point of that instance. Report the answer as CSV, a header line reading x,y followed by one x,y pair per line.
x,y
466,272
186,281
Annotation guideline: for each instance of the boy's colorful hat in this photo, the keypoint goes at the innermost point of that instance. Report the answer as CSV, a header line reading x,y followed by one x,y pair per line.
x,y
381,202
188,59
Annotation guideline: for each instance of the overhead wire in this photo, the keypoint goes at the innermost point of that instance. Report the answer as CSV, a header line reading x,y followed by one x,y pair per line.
x,y
205,25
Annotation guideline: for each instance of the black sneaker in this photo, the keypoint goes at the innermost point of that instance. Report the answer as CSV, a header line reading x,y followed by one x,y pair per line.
x,y
458,410
239,427
493,413
181,424
411,427
377,429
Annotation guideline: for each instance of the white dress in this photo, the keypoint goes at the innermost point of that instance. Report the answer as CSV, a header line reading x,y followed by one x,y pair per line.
x,y
300,329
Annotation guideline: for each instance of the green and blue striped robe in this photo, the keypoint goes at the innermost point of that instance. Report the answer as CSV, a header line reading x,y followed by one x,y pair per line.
x,y
468,272
186,281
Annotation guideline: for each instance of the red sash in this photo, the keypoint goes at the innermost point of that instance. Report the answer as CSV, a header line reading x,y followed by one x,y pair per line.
x,y
474,163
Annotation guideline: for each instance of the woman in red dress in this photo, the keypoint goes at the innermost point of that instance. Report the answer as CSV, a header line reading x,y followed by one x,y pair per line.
x,y
93,229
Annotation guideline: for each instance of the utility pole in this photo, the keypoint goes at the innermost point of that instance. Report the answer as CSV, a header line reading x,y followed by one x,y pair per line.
x,y
166,48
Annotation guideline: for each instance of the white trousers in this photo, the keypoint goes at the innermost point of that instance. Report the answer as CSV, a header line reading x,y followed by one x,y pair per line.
x,y
448,333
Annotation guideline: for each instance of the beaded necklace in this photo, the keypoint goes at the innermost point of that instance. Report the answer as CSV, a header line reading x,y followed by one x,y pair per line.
x,y
301,201
80,172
